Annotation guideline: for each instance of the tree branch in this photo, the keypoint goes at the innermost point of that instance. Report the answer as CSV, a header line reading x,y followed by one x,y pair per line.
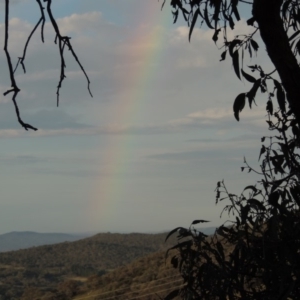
x,y
14,86
267,15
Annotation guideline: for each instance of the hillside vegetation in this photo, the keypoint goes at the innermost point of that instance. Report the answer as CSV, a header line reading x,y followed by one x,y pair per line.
x,y
147,278
48,269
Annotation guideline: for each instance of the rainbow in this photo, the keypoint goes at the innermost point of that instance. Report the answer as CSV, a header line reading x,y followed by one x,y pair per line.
x,y
104,198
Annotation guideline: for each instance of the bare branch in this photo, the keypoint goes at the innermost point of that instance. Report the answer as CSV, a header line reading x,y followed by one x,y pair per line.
x,y
62,41
14,86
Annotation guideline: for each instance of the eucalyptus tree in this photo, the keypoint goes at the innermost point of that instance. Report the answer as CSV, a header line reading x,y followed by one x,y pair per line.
x,y
257,254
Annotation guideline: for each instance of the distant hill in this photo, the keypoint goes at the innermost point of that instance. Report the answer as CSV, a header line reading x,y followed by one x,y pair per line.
x,y
43,268
25,239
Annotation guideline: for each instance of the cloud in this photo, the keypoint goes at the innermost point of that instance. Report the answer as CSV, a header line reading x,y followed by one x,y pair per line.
x,y
17,160
80,23
113,58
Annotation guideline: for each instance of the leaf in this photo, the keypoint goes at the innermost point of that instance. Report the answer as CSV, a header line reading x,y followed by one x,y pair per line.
x,y
199,221
235,62
216,13
232,45
173,231
248,77
258,204
269,107
250,51
231,23
285,8
175,15
239,104
193,23
252,93
294,35
223,55
251,21
262,151
254,45
180,245
280,95
206,18
251,187
215,36
163,4
236,13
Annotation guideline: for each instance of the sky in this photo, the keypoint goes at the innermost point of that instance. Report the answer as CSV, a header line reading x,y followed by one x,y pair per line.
x,y
145,153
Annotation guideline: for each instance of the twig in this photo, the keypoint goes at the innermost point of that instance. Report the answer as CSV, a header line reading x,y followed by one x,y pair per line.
x,y
14,86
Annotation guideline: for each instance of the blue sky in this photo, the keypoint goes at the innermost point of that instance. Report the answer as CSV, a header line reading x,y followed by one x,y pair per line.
x,y
98,164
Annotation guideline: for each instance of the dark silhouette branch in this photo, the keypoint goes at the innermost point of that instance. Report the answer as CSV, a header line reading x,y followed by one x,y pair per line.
x,y
14,86
62,42
41,20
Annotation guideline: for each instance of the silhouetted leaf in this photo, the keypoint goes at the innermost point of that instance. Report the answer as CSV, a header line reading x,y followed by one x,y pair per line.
x,y
239,104
248,77
251,21
294,35
280,95
254,45
236,13
235,62
262,151
215,36
285,7
251,187
196,13
199,221
269,107
223,55
180,245
258,204
231,23
175,16
173,231
233,44
252,93
206,18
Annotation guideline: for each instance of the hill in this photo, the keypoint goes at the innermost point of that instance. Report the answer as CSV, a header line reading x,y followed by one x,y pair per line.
x,y
149,277
44,268
17,240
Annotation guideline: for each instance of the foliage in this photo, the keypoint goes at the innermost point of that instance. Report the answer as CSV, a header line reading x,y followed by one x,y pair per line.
x,y
255,255
63,42
221,16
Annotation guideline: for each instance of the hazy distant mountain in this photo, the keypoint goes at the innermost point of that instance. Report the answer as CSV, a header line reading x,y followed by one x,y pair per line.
x,y
25,239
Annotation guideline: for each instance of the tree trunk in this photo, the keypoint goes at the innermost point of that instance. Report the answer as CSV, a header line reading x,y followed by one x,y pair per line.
x,y
267,15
